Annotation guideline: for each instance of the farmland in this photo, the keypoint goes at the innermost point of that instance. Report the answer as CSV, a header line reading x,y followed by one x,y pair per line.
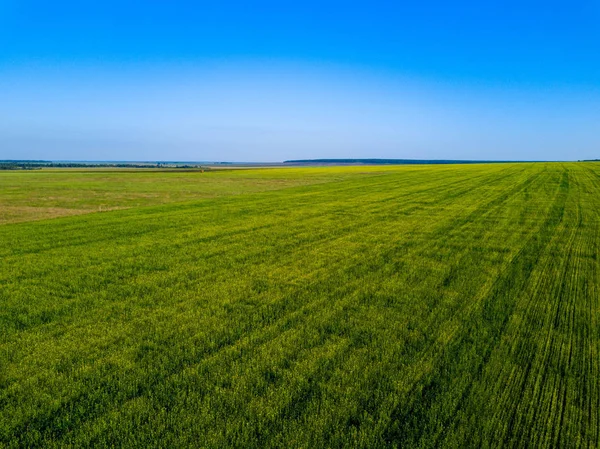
x,y
397,306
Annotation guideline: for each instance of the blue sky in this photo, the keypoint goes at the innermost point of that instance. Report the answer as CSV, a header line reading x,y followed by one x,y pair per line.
x,y
269,81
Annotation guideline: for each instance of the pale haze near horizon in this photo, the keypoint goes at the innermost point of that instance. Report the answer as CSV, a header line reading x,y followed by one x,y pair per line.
x,y
242,112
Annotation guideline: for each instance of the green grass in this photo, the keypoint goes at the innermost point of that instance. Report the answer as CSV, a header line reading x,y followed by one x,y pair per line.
x,y
27,196
421,306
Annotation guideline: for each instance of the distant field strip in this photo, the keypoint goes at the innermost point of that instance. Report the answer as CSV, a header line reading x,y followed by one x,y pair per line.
x,y
50,193
421,306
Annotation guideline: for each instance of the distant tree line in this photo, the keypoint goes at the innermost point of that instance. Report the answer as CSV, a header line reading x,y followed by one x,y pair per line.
x,y
37,165
390,161
18,166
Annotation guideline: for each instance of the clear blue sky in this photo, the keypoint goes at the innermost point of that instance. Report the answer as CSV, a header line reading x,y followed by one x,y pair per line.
x,y
268,81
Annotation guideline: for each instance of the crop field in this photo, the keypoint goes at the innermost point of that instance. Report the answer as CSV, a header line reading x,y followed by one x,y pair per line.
x,y
398,306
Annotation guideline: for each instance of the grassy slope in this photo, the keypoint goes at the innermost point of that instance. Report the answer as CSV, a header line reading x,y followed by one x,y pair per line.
x,y
450,305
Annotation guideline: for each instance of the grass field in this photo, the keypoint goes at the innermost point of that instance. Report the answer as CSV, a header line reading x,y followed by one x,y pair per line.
x,y
26,195
408,306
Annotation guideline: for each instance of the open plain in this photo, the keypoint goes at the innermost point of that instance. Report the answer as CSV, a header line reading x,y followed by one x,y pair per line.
x,y
380,306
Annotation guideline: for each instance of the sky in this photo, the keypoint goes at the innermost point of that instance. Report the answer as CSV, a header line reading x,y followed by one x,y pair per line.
x,y
271,81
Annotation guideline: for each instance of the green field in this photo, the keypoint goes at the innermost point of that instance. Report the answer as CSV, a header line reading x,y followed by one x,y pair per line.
x,y
405,306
